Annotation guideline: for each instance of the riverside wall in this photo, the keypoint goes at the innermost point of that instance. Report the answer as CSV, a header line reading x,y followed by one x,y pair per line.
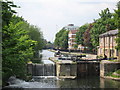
x,y
88,69
107,67
82,69
66,70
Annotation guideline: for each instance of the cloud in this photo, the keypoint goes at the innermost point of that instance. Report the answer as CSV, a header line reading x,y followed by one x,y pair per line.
x,y
52,15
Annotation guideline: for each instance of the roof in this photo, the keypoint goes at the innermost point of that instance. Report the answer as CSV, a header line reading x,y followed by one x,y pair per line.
x,y
109,33
73,31
71,27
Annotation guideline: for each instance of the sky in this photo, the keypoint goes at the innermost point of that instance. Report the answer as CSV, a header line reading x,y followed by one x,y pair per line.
x,y
53,15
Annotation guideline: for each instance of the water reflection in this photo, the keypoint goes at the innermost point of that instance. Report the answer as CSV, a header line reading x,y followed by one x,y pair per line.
x,y
108,83
91,82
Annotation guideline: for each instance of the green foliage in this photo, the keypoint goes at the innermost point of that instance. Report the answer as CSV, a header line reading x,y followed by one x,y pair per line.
x,y
36,35
99,57
17,50
79,34
113,60
61,40
83,36
118,71
105,23
75,46
20,42
112,74
33,32
117,17
87,38
15,19
48,44
115,76
7,12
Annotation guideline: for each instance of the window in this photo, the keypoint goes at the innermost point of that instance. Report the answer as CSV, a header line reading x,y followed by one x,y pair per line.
x,y
116,52
107,40
101,42
111,40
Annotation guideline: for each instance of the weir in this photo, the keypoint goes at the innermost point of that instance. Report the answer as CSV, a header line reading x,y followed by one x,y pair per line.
x,y
42,69
64,68
46,68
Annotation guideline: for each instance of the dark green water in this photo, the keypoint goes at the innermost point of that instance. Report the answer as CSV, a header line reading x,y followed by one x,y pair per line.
x,y
84,83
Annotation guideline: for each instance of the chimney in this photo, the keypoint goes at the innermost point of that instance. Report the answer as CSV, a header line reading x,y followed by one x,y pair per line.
x,y
70,24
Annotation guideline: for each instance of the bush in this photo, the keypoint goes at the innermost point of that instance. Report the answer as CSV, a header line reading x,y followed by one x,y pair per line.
x,y
118,71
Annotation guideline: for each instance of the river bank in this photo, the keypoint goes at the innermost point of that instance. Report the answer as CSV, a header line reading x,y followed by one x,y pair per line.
x,y
112,78
108,69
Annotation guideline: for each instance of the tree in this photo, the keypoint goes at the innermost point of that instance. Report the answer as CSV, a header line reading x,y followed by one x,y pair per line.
x,y
15,19
79,34
87,38
48,45
61,40
17,50
101,26
64,40
7,12
18,42
57,38
117,16
36,35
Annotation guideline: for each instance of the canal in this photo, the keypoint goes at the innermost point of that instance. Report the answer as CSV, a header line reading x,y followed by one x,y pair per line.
x,y
54,82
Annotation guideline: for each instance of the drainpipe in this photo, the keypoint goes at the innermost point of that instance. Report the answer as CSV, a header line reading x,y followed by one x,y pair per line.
x,y
118,55
104,43
112,48
109,46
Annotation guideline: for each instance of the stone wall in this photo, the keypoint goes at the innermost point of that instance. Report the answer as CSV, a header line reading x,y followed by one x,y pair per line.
x,y
87,69
107,67
66,70
79,69
29,68
41,69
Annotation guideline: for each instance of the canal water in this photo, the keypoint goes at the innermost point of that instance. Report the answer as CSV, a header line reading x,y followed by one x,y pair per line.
x,y
48,82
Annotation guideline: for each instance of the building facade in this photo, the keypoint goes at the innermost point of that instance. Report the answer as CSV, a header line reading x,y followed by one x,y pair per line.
x,y
81,47
71,39
107,44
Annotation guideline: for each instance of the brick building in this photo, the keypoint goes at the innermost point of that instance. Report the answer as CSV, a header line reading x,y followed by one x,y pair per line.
x,y
107,44
71,39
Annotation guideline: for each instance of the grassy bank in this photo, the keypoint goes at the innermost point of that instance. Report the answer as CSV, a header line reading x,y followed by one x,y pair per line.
x,y
115,74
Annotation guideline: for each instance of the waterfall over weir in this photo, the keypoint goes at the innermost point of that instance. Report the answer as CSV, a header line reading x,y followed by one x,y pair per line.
x,y
43,70
47,68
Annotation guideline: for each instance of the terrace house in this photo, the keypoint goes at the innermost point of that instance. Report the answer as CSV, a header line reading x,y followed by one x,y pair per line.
x,y
107,44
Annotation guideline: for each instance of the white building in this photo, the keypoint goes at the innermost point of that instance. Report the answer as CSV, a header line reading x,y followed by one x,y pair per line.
x,y
71,27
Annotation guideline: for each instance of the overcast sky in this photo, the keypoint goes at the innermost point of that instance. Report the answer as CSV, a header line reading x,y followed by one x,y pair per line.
x,y
52,15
